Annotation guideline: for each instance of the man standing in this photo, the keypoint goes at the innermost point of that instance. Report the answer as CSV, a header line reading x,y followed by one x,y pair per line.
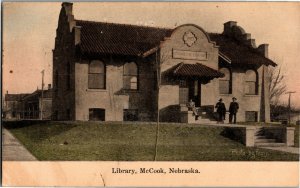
x,y
221,109
233,109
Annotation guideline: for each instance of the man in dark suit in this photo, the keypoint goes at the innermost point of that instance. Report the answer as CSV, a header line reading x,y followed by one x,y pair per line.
x,y
233,109
221,109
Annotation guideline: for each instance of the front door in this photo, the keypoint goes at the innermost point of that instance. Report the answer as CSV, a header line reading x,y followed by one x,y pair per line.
x,y
195,91
190,89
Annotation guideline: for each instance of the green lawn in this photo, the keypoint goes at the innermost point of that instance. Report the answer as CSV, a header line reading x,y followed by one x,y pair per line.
x,y
134,142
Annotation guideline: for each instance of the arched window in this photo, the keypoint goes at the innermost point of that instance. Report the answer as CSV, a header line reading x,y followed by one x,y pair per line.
x,y
251,82
130,76
225,82
96,75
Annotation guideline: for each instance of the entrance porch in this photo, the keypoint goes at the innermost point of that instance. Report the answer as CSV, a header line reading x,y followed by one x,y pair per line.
x,y
191,79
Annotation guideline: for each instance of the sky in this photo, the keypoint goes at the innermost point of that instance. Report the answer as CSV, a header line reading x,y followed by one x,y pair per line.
x,y
29,31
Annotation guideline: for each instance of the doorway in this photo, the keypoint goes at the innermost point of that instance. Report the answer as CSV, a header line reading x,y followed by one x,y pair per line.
x,y
190,89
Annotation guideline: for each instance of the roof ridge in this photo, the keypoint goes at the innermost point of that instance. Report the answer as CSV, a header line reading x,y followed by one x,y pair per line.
x,y
179,66
132,25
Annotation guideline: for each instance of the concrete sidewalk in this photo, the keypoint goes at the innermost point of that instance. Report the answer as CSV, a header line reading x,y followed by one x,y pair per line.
x,y
293,150
13,150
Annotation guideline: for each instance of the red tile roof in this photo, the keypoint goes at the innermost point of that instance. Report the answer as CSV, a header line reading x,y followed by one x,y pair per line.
x,y
132,40
194,70
118,39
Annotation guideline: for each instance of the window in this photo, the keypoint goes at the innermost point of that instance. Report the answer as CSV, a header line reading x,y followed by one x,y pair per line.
x,y
251,82
96,114
96,75
68,114
55,115
130,115
130,76
68,75
225,82
251,116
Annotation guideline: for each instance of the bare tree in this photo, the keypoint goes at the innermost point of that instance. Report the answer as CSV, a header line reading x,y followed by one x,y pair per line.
x,y
159,60
277,86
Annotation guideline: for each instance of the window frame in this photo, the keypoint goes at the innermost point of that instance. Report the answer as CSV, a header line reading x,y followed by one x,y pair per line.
x,y
228,82
130,111
93,113
103,75
137,75
248,81
255,113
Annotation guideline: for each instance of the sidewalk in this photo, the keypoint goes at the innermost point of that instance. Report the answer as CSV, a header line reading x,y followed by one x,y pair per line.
x,y
284,149
13,150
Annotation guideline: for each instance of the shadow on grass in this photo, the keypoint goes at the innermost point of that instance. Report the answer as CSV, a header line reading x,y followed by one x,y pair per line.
x,y
233,134
41,129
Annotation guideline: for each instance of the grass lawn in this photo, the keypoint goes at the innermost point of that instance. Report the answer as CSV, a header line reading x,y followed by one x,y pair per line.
x,y
134,142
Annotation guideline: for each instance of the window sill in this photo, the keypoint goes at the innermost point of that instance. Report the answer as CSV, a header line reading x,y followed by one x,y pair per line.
x,y
223,94
96,90
130,91
251,95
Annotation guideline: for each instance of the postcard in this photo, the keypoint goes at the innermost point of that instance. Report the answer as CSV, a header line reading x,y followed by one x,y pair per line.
x,y
147,94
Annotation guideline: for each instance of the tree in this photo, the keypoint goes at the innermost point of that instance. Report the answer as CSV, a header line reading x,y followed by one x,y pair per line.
x,y
160,58
277,86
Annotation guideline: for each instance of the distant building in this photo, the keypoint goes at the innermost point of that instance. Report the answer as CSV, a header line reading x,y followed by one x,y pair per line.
x,y
284,118
12,105
108,72
29,106
36,106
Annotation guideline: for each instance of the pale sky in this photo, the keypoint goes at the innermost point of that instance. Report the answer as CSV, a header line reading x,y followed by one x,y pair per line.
x,y
29,32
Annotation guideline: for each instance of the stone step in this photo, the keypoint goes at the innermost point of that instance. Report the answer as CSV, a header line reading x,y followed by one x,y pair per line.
x,y
260,137
270,144
204,120
265,140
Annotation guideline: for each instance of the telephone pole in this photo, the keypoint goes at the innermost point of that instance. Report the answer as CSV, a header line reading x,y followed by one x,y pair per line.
x,y
42,96
290,93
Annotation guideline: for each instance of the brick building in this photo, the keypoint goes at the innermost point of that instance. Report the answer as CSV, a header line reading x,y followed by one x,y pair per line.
x,y
109,72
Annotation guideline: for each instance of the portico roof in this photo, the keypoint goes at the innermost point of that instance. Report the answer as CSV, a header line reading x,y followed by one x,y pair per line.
x,y
194,70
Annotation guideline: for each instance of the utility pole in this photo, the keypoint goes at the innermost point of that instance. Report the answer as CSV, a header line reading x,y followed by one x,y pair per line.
x,y
290,93
42,96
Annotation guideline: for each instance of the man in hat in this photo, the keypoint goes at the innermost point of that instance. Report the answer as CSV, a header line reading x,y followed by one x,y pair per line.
x,y
233,109
221,110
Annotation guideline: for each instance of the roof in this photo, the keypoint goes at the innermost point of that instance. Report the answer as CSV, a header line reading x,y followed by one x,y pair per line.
x,y
14,97
132,40
119,39
38,93
195,70
237,52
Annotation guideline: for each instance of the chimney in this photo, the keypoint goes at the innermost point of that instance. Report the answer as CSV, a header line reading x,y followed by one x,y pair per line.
x,y
227,27
69,12
7,92
68,7
77,30
263,49
49,86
